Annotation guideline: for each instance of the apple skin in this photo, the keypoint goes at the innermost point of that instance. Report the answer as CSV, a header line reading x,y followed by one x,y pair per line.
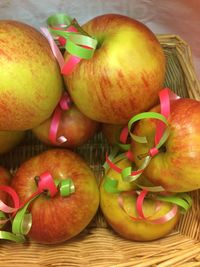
x,y
125,73
122,223
10,139
74,125
58,219
176,167
30,84
112,132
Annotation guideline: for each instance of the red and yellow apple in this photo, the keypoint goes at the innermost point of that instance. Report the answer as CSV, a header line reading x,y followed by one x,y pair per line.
x,y
10,139
112,132
58,218
121,221
176,167
73,125
30,82
125,73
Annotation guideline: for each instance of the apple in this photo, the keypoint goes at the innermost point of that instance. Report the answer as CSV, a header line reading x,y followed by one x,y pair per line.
x,y
121,221
176,166
125,73
10,139
58,219
30,83
112,133
74,126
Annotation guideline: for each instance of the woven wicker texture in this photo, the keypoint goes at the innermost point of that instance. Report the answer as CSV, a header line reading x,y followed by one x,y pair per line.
x,y
98,245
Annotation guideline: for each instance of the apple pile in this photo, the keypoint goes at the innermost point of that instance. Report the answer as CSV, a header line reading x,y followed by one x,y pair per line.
x,y
112,69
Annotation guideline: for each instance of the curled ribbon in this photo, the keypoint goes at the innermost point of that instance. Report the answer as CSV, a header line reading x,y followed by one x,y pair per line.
x,y
76,42
64,104
123,138
179,201
21,218
161,136
111,162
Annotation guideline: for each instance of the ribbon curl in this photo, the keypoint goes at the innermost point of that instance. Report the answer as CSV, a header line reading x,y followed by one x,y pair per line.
x,y
64,104
75,40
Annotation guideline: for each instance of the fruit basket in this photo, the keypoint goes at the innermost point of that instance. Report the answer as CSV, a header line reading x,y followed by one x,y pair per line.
x,y
98,245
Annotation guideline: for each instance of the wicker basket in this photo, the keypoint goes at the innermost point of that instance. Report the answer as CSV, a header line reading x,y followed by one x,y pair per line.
x,y
98,245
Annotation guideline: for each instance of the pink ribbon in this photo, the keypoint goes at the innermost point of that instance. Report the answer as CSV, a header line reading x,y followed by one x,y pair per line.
x,y
65,67
112,165
56,52
62,105
129,155
139,203
165,96
124,135
117,169
15,199
45,183
139,208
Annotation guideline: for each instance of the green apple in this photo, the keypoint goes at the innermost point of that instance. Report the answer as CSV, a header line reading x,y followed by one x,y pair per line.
x,y
121,221
176,167
10,139
30,80
125,73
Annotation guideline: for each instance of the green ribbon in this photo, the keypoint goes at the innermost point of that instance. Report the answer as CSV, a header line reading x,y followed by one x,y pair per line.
x,y
77,42
2,218
65,186
12,237
60,19
148,115
183,200
127,173
110,185
22,221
